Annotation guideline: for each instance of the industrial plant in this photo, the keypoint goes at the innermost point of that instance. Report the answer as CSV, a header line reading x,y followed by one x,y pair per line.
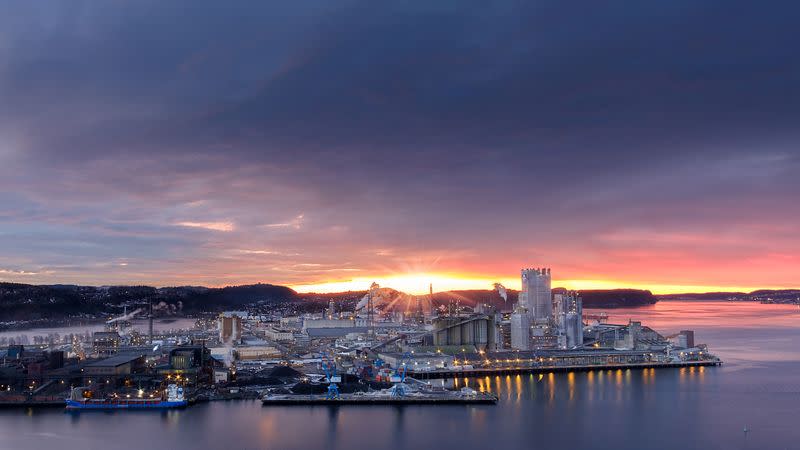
x,y
384,347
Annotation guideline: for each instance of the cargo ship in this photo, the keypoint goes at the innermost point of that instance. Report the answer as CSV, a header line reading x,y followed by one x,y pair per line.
x,y
78,401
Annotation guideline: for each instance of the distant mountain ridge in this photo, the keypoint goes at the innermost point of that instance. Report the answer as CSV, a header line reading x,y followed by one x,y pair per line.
x,y
26,302
591,298
765,295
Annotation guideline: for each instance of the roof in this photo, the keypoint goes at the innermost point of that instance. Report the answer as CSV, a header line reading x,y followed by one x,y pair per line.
x,y
447,349
116,360
334,332
415,355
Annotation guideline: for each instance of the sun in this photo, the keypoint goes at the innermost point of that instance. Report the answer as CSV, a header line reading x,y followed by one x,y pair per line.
x,y
411,283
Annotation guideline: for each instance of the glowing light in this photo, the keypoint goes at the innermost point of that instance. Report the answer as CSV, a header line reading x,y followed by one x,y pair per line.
x,y
412,283
418,284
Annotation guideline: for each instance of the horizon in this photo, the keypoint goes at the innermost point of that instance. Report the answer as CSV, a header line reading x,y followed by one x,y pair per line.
x,y
321,146
465,285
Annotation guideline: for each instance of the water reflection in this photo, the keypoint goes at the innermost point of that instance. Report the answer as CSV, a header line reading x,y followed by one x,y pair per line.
x,y
571,383
399,429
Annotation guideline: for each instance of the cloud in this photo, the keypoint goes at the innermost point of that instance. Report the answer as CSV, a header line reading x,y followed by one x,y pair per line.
x,y
267,252
295,223
24,273
417,136
215,226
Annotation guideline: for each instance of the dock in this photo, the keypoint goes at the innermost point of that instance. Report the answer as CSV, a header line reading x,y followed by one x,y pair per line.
x,y
13,401
370,400
513,370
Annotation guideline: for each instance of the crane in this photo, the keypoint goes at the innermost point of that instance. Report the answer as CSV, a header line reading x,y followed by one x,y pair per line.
x,y
368,302
329,367
399,378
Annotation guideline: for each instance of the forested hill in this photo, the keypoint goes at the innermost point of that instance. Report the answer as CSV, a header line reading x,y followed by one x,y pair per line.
x,y
612,298
35,302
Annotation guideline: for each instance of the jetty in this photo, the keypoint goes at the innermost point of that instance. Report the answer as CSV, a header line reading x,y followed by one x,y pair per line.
x,y
444,398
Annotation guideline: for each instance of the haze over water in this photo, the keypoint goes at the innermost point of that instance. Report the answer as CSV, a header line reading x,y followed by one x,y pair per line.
x,y
757,388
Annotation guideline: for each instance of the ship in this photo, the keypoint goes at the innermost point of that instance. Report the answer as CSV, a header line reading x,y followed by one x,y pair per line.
x,y
79,401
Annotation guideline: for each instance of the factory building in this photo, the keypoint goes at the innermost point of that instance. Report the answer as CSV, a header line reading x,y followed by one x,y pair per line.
x,y
256,352
568,317
229,325
115,365
686,339
536,295
520,331
105,343
279,335
542,320
505,331
632,336
479,330
420,362
328,323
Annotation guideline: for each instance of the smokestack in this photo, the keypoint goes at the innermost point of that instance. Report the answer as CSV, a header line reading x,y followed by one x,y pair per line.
x,y
150,323
502,291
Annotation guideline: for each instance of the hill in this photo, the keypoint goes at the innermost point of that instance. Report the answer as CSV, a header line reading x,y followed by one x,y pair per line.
x,y
617,298
25,302
42,303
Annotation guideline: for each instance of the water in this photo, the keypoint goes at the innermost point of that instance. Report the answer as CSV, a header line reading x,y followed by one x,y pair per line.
x,y
141,325
757,388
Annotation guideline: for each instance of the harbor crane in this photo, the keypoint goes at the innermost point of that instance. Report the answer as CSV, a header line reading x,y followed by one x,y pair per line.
x,y
399,378
329,367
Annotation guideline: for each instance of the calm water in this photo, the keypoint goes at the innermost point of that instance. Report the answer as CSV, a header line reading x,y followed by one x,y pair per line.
x,y
758,387
140,325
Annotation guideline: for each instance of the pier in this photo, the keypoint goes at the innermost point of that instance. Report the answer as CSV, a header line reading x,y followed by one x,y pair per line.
x,y
12,401
371,400
506,370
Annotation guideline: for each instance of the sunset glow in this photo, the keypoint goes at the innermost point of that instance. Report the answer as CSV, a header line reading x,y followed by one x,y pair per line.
x,y
227,158
418,284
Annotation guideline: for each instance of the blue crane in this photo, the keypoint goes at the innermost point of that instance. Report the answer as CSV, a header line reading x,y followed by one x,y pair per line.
x,y
399,378
331,378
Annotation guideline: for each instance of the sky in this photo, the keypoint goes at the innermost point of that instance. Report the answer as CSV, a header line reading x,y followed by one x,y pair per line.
x,y
326,144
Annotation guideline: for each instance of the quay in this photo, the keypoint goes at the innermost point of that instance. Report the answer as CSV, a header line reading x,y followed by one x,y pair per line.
x,y
59,403
13,401
511,370
367,400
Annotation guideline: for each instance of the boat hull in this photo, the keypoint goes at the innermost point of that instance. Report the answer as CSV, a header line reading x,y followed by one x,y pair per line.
x,y
123,404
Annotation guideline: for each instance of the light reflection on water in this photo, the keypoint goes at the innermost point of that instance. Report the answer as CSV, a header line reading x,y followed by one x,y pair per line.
x,y
708,407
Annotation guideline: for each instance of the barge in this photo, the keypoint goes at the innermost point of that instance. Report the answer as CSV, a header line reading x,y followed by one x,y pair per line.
x,y
79,401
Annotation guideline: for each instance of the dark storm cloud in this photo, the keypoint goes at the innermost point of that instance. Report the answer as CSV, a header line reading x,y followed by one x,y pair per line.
x,y
450,124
